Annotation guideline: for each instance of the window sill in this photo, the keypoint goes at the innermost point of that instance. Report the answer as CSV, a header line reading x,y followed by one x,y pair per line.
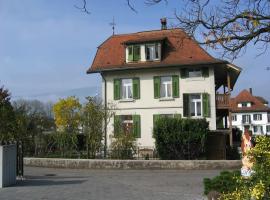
x,y
196,79
166,99
126,100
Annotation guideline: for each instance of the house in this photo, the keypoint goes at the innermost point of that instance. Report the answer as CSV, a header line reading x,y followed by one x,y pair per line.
x,y
250,112
159,73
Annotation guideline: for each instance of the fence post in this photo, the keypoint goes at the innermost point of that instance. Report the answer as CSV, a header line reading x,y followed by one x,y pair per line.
x,y
20,170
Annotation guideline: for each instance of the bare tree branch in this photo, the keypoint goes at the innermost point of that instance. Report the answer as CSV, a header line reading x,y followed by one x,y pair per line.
x,y
83,8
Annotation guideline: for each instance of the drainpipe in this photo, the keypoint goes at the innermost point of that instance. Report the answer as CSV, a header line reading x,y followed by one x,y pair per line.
x,y
105,102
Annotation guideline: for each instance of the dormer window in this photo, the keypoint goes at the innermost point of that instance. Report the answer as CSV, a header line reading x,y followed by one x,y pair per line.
x,y
134,53
152,51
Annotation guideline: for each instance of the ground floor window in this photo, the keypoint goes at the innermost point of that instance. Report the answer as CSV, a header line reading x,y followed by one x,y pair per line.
x,y
127,124
257,129
268,128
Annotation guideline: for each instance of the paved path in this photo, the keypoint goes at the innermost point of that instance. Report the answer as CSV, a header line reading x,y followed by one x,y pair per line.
x,y
67,184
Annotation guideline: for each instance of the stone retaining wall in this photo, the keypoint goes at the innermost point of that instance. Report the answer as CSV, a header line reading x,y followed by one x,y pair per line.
x,y
132,164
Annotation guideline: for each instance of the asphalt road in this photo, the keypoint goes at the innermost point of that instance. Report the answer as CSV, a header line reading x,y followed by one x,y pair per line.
x,y
67,184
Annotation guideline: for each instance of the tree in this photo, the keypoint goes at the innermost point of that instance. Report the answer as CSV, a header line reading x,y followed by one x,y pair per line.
x,y
33,120
7,117
228,24
93,116
67,113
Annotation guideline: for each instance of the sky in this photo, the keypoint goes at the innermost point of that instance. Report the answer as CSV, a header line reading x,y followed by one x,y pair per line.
x,y
46,46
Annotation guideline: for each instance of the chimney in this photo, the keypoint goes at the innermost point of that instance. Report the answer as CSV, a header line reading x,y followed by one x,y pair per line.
x,y
250,91
163,22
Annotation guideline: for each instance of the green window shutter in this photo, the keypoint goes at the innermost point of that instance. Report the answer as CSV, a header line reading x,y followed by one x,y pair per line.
x,y
116,88
130,53
136,126
175,84
205,72
186,105
206,105
178,116
156,87
184,73
117,125
136,53
136,88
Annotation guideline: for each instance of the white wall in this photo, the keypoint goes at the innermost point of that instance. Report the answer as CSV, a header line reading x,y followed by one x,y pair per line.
x,y
264,122
147,106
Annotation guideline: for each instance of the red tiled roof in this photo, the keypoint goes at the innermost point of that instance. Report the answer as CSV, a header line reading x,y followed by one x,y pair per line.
x,y
179,49
246,96
261,99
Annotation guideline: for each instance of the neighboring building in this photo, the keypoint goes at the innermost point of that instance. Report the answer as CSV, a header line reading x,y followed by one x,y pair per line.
x,y
161,73
250,112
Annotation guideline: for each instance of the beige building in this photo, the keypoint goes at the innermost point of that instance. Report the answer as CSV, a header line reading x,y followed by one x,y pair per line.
x,y
161,73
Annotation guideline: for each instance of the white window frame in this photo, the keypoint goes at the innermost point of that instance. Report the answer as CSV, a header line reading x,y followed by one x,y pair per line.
x,y
125,86
267,128
167,84
248,119
257,117
194,73
234,118
154,48
195,102
259,129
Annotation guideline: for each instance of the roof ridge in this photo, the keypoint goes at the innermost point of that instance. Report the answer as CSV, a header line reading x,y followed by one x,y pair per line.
x,y
147,31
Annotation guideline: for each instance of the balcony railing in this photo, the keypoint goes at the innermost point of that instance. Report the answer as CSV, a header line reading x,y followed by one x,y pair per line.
x,y
222,101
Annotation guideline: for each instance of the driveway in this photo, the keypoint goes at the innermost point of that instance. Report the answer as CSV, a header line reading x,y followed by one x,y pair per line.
x,y
67,184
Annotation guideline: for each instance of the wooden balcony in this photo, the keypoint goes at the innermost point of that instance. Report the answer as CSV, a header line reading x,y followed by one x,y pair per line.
x,y
222,101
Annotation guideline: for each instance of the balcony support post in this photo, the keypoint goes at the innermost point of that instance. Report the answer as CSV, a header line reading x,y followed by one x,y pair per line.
x,y
230,113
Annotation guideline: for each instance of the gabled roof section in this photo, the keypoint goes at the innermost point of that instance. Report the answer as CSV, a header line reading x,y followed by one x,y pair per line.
x,y
178,49
246,96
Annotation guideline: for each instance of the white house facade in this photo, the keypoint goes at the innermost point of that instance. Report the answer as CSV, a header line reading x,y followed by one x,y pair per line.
x,y
250,112
152,74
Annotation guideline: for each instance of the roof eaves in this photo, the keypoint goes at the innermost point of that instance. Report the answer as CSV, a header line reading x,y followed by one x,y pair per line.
x,y
128,67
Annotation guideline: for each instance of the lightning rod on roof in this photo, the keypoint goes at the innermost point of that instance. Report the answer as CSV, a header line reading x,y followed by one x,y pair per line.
x,y
113,25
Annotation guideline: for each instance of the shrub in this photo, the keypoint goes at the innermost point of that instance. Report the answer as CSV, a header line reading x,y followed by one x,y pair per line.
x,y
178,138
123,146
225,182
255,187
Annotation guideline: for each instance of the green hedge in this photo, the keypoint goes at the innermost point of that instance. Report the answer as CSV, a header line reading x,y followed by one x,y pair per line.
x,y
180,138
225,182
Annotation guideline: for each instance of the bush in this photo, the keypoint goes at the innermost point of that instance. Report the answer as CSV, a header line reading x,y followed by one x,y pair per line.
x,y
225,182
255,187
123,146
178,138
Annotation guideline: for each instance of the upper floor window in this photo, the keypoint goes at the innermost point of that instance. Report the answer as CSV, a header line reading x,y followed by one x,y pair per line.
x,y
134,53
257,117
152,52
196,105
126,89
246,119
268,117
166,87
126,92
194,73
234,117
244,104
